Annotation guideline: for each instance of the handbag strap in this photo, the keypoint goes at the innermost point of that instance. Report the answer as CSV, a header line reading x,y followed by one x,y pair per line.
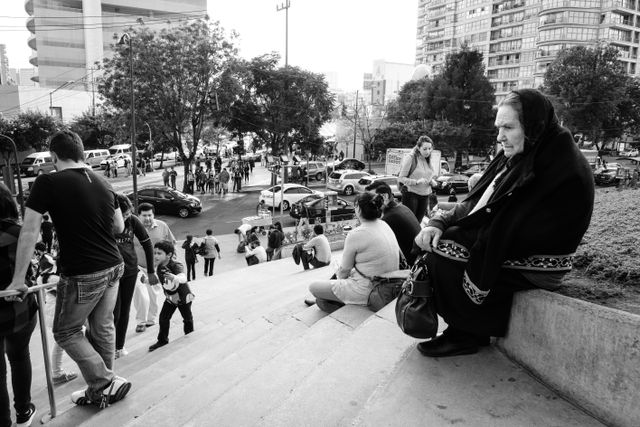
x,y
361,273
402,259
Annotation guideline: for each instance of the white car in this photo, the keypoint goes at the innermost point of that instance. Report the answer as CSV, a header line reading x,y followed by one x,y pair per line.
x,y
390,180
119,160
291,193
345,181
167,156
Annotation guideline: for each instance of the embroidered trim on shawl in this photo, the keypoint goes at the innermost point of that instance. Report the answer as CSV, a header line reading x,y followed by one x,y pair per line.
x,y
541,263
452,250
475,294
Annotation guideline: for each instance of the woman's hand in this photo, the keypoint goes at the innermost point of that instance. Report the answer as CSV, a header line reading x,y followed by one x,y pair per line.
x,y
428,238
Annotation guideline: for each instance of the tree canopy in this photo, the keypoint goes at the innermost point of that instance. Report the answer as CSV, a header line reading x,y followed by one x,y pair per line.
x,y
590,90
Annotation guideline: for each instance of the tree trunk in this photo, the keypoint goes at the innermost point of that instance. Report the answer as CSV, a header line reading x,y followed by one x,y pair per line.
x,y
187,166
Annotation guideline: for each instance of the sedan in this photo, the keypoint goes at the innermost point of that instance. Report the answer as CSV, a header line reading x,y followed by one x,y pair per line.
x,y
349,163
390,180
316,210
297,209
448,181
119,159
287,195
607,176
166,200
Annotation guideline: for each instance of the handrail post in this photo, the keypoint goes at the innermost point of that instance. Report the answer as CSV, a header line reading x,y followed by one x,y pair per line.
x,y
47,359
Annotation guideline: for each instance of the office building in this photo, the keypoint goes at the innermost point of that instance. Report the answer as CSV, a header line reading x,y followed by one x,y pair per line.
x,y
68,37
520,38
4,65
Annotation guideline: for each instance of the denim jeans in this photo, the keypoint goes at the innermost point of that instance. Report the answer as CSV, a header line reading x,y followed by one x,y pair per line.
x,y
89,298
16,346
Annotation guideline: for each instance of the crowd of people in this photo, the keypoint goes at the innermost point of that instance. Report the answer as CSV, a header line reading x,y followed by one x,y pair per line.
x,y
505,236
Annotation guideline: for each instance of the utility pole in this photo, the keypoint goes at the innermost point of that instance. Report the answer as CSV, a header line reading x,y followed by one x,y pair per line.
x,y
355,127
285,6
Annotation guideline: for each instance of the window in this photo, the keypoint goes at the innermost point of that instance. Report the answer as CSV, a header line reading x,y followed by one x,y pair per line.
x,y
146,193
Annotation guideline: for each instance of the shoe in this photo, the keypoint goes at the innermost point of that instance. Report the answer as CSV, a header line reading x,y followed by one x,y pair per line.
x,y
157,345
27,418
141,327
114,392
452,344
149,324
120,353
310,301
64,377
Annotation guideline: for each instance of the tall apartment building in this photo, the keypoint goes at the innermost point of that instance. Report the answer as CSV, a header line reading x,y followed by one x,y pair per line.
x,y
69,36
520,38
4,65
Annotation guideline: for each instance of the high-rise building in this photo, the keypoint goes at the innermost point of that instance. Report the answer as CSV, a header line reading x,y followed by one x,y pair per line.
x,y
520,38
4,65
69,36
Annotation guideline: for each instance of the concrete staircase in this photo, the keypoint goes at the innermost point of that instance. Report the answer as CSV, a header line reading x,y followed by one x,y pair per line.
x,y
259,356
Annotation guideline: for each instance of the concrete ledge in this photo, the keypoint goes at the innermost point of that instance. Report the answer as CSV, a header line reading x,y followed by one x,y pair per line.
x,y
589,353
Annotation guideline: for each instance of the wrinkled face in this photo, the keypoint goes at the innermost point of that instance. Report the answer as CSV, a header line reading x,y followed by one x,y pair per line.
x,y
146,217
510,131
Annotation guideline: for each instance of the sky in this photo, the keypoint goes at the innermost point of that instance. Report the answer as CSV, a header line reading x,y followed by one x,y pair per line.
x,y
343,36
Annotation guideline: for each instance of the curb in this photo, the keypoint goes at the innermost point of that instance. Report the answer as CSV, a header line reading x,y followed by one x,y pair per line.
x,y
587,352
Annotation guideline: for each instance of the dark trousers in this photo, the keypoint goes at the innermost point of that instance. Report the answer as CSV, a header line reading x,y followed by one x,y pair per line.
x,y
208,266
16,347
48,241
191,270
417,204
165,317
306,258
123,307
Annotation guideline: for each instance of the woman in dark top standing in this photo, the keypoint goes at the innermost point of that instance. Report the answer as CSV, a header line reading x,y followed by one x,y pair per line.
x,y
17,321
132,227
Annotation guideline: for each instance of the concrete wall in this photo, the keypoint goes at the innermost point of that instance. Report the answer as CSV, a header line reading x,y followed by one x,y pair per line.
x,y
589,353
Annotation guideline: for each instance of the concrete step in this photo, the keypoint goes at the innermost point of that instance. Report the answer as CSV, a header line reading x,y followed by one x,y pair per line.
x,y
273,381
335,391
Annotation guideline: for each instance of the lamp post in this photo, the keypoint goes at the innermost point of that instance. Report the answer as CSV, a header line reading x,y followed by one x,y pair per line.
x,y
68,82
15,153
126,39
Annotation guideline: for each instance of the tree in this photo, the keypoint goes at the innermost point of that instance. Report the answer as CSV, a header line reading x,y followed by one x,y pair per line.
x,y
282,106
446,136
31,130
101,130
176,79
587,85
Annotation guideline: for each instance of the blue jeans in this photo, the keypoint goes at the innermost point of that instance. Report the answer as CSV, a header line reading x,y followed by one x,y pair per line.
x,y
89,298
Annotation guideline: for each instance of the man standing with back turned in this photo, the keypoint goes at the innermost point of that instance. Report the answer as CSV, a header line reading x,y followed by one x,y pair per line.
x,y
85,213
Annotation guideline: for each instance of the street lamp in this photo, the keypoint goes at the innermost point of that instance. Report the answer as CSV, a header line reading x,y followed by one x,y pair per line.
x,y
15,153
68,82
126,39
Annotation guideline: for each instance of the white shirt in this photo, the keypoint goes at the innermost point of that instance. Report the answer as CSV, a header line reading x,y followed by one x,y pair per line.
x,y
259,252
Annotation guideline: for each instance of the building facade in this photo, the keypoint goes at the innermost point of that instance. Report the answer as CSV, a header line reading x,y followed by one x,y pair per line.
x,y
520,38
68,37
4,65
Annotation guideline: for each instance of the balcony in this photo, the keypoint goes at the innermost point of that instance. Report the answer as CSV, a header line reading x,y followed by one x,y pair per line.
x,y
31,24
33,59
28,6
31,41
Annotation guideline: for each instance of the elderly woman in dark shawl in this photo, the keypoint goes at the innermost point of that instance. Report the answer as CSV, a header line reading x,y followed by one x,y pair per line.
x,y
517,229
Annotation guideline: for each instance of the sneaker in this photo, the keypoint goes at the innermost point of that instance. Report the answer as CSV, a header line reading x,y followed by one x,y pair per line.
x,y
141,327
114,392
26,418
148,324
64,377
157,345
120,353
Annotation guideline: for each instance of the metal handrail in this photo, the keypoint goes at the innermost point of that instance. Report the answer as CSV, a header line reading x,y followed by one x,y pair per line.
x,y
39,291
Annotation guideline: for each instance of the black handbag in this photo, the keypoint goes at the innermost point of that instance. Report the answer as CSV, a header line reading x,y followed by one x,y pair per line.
x,y
415,307
385,290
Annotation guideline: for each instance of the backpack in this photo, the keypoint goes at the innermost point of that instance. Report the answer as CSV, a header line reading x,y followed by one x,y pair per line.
x,y
414,164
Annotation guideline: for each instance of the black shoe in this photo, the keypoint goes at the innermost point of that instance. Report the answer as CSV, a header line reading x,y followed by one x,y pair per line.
x,y
157,345
26,418
452,343
309,301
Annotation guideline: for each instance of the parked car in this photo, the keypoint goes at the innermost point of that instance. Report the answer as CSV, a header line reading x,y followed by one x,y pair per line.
x,y
173,155
315,170
607,176
446,182
119,159
166,200
297,207
93,158
629,153
37,164
390,180
345,181
349,163
473,168
315,210
287,195
114,150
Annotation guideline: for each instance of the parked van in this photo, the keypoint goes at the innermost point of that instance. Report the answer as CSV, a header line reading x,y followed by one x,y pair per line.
x,y
94,157
114,150
37,164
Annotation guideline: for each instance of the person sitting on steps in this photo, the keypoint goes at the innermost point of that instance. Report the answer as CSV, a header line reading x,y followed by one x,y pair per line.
x,y
316,251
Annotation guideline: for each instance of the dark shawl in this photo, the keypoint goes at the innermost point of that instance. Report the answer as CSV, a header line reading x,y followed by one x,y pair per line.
x,y
541,206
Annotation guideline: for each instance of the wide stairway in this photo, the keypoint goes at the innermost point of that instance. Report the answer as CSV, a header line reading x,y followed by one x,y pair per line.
x,y
260,356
